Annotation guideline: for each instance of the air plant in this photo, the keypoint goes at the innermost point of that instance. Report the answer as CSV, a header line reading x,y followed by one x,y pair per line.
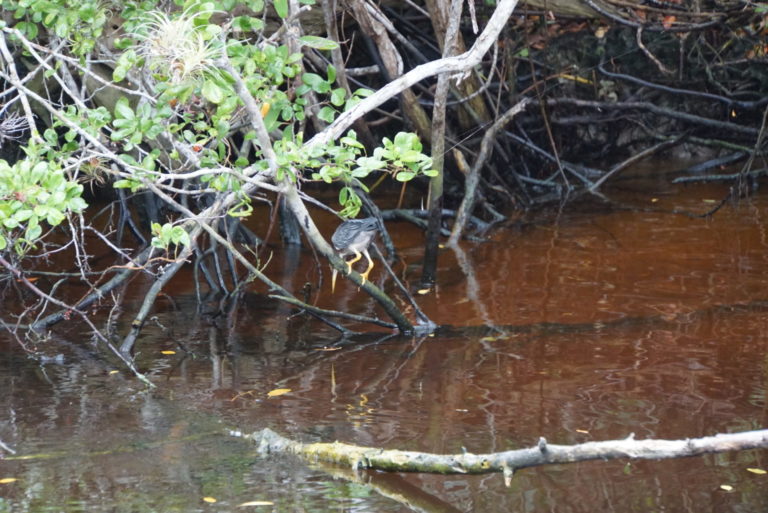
x,y
182,46
12,126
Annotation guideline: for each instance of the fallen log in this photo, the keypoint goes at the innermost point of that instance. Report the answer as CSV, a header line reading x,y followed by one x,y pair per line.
x,y
507,462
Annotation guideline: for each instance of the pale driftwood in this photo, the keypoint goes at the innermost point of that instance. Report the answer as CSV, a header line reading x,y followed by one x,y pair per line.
x,y
508,461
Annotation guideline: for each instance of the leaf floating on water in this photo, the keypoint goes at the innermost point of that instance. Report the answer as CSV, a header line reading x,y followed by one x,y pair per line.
x,y
727,488
710,201
489,338
757,471
113,371
6,480
278,391
167,351
255,503
601,31
327,348
422,291
209,500
584,431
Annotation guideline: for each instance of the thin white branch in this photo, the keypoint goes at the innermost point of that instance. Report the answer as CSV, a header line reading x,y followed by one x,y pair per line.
x,y
458,64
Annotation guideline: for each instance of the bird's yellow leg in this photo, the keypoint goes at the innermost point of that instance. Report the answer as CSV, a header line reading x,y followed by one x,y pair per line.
x,y
358,256
349,263
370,266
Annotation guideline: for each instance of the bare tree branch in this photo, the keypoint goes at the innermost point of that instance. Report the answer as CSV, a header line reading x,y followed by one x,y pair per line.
x,y
457,64
508,461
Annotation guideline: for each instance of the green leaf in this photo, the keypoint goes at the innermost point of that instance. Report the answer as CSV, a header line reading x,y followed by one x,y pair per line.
x,y
316,82
212,92
123,109
127,184
338,96
247,24
182,238
351,140
28,29
33,232
327,114
281,8
363,92
119,74
77,204
54,217
22,215
343,195
405,176
318,43
119,135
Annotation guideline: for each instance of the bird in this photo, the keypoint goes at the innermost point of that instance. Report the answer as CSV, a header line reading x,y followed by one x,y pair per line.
x,y
353,237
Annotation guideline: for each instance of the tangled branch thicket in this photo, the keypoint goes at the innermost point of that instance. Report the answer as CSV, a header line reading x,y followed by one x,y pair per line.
x,y
180,117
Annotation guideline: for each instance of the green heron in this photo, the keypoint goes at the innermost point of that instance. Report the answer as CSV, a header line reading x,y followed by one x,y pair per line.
x,y
353,237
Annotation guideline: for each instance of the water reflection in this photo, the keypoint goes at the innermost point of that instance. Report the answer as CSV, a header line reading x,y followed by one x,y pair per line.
x,y
589,327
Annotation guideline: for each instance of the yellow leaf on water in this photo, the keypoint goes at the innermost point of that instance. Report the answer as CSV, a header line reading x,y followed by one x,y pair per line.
x,y
709,201
113,371
757,471
255,503
209,500
422,291
582,431
6,480
727,488
278,391
601,31
168,351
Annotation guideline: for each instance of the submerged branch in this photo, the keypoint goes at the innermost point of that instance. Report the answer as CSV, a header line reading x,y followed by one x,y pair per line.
x,y
333,313
508,461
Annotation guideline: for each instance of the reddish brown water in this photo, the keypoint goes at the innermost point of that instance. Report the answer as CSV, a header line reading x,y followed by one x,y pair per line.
x,y
594,323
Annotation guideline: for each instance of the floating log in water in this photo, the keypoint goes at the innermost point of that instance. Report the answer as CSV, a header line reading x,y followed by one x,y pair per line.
x,y
506,462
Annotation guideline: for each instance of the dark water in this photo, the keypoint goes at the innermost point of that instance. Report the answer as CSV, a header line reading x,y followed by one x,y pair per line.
x,y
595,322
